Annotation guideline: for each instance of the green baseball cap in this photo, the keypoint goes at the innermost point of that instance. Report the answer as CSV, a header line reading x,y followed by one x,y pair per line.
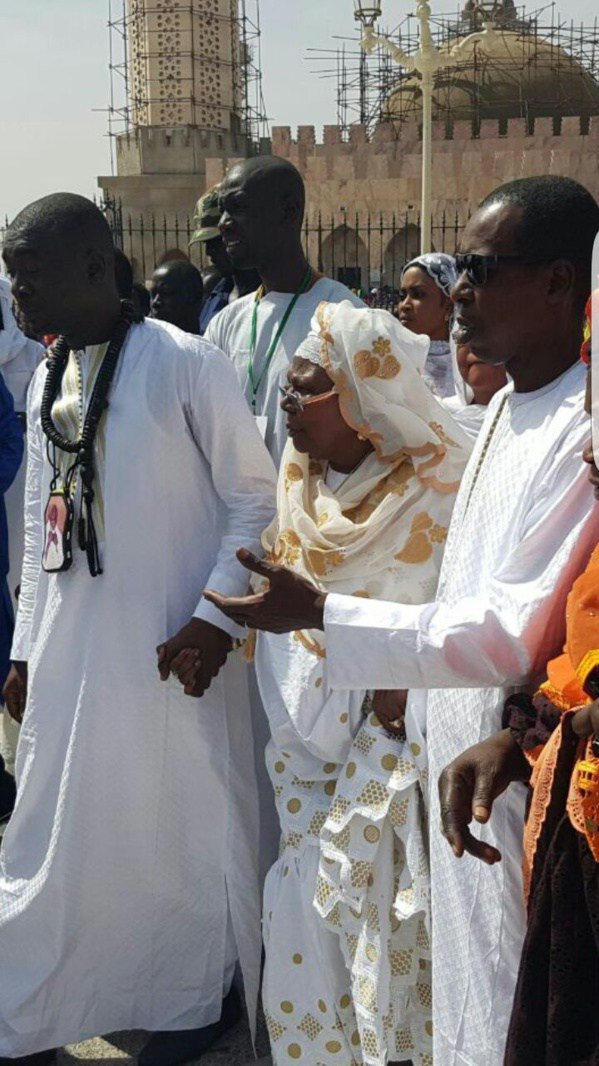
x,y
207,216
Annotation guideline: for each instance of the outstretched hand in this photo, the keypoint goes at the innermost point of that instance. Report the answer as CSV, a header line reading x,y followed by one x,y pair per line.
x,y
289,603
469,786
195,656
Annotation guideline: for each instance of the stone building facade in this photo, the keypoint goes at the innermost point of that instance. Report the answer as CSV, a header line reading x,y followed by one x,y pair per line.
x,y
363,189
378,179
184,107
383,173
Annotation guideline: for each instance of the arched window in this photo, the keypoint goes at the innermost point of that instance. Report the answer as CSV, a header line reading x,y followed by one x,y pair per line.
x,y
403,246
345,257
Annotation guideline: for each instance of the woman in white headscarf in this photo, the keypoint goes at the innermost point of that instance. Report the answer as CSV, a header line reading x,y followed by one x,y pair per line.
x,y
366,489
425,306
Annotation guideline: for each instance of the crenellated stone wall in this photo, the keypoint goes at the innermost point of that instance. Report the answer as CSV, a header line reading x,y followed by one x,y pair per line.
x,y
165,170
363,192
383,173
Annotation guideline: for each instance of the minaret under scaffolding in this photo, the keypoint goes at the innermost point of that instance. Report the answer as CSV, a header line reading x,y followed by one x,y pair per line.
x,y
185,88
184,63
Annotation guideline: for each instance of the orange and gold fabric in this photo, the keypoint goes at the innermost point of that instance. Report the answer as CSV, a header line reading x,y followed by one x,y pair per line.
x,y
592,306
565,689
585,351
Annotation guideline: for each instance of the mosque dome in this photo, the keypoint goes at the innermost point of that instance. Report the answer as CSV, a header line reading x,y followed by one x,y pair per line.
x,y
521,77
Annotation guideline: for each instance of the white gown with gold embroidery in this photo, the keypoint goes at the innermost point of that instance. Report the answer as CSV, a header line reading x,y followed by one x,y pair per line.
x,y
346,909
351,984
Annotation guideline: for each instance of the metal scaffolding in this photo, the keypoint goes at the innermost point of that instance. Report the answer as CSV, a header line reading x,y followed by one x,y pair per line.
x,y
550,68
130,95
254,119
118,112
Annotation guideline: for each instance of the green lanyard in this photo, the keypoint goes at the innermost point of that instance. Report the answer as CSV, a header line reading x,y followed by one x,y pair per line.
x,y
256,383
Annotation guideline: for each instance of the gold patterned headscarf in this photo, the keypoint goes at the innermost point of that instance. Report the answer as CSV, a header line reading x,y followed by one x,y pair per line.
x,y
380,534
375,364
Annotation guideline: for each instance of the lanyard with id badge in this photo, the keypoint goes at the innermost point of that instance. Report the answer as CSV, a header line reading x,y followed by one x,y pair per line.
x,y
256,381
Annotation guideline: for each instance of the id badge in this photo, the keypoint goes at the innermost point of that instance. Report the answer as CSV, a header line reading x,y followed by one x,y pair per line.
x,y
58,529
261,425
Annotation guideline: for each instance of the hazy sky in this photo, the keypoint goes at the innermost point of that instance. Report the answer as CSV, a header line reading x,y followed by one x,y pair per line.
x,y
54,75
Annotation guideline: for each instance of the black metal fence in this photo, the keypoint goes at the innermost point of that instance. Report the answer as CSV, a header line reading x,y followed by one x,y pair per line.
x,y
363,252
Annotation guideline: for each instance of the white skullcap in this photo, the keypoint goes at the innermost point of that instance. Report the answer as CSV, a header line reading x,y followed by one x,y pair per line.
x,y
311,349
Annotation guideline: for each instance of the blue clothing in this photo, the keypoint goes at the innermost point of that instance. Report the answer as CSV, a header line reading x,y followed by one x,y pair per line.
x,y
7,626
11,457
219,298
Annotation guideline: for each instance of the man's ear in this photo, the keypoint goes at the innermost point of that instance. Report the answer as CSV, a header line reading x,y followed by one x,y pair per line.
x,y
562,279
95,267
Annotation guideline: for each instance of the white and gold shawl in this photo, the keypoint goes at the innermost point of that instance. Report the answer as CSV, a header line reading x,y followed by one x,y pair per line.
x,y
381,534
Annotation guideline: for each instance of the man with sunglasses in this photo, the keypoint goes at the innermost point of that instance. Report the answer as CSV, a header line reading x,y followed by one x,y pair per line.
x,y
522,529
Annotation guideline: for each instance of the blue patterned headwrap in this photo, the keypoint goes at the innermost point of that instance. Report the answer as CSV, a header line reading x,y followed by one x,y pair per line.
x,y
439,266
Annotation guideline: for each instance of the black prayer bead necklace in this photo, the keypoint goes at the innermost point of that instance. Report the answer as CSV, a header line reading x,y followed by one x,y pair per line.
x,y
83,448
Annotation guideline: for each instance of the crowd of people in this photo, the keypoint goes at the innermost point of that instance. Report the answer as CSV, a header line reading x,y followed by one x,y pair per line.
x,y
305,658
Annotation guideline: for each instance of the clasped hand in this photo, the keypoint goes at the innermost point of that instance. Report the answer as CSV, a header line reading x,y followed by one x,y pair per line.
x,y
195,656
389,705
15,691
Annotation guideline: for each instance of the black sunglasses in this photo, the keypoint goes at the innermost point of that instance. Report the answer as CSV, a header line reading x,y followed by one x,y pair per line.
x,y
476,267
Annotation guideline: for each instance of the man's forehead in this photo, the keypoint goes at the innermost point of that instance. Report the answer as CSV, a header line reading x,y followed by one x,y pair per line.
x,y
493,230
235,179
245,179
41,244
163,277
22,244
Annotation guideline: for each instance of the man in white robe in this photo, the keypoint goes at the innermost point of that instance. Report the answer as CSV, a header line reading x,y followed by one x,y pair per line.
x,y
128,880
263,202
522,529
